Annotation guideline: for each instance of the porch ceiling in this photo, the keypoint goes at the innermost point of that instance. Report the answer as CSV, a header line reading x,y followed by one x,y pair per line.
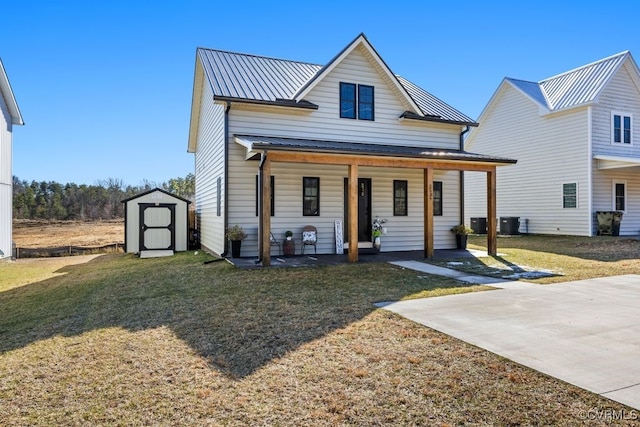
x,y
256,144
616,162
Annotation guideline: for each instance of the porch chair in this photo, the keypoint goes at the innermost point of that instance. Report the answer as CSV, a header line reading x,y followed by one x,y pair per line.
x,y
275,242
309,238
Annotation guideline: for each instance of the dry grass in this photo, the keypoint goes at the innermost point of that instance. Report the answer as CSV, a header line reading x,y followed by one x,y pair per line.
x,y
553,259
47,234
172,341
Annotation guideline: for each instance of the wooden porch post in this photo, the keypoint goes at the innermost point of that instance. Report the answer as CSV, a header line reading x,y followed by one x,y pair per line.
x,y
428,213
265,211
353,212
492,232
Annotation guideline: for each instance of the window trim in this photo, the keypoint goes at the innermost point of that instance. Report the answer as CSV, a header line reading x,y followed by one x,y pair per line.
x,y
614,195
356,104
397,182
564,195
622,115
304,195
438,205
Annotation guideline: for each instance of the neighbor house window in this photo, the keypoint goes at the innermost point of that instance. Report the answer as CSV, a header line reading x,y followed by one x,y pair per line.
x,y
437,198
310,196
356,101
620,196
273,191
399,198
570,195
621,132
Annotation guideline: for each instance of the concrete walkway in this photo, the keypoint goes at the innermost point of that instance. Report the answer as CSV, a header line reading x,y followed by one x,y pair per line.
x,y
586,332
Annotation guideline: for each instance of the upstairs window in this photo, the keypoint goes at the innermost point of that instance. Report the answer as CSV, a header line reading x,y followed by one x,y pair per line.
x,y
356,101
621,132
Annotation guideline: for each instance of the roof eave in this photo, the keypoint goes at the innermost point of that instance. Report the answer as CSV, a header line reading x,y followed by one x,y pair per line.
x,y
288,103
411,116
10,99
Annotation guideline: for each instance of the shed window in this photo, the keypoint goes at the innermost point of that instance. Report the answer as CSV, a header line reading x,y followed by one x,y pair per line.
x,y
356,101
310,196
621,128
569,195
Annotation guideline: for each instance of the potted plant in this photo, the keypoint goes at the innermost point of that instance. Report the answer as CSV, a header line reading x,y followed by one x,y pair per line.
x,y
461,231
376,231
236,235
288,234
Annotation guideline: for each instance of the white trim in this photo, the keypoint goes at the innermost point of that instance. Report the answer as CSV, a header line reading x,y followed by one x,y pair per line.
x,y
590,166
613,195
562,195
622,115
615,162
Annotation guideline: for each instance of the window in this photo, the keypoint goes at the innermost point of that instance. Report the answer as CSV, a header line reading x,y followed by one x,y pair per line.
x,y
273,199
356,101
399,198
621,132
569,195
619,196
310,196
437,198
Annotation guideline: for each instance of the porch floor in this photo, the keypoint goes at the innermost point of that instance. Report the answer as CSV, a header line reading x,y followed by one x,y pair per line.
x,y
335,259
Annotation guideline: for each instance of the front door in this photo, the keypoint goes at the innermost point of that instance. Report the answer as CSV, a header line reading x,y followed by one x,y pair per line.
x,y
157,226
364,209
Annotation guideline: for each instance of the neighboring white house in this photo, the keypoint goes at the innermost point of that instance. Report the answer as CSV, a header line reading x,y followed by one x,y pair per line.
x,y
346,137
576,137
9,116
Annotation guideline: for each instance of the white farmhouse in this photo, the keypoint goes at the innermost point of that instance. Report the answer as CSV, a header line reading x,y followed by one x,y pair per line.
x,y
281,144
9,116
575,136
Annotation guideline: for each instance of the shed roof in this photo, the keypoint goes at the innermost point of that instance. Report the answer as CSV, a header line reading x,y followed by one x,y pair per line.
x,y
9,98
153,190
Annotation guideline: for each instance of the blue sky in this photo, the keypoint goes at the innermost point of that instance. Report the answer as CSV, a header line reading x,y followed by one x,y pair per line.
x,y
105,87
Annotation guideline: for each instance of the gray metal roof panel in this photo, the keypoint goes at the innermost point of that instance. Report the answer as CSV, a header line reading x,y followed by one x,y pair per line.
x,y
258,78
314,145
532,89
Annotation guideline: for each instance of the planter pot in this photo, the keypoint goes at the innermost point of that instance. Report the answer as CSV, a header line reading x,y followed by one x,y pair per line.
x,y
288,248
461,241
235,248
377,243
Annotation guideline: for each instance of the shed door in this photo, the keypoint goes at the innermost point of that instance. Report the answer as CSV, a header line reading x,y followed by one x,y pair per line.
x,y
157,226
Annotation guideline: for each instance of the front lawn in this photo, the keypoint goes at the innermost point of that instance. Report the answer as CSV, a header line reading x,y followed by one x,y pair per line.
x,y
118,340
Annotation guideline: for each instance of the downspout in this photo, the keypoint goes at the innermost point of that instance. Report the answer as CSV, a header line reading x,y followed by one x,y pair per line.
x,y
263,157
466,129
226,177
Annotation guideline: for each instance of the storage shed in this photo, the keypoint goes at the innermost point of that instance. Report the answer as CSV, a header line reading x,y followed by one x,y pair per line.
x,y
156,223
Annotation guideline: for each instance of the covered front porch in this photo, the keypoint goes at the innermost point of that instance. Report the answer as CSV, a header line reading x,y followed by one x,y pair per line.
x,y
270,150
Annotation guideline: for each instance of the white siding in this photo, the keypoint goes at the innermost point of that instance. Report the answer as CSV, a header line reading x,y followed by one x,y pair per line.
x,y
620,95
550,150
6,181
209,164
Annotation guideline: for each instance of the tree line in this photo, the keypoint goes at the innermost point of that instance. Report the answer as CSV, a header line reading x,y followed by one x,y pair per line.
x,y
101,201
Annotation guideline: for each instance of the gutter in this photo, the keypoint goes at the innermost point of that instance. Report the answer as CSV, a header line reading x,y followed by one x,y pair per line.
x,y
466,129
226,177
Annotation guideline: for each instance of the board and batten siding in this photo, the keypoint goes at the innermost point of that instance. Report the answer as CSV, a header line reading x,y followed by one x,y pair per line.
x,y
620,95
209,165
551,150
6,182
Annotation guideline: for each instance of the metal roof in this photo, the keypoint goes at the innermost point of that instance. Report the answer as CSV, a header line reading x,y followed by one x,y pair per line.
x,y
260,79
7,93
253,142
573,88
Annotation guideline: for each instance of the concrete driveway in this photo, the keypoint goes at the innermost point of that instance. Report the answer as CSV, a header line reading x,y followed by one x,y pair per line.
x,y
586,332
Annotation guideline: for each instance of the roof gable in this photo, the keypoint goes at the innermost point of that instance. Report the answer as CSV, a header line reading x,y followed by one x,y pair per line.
x,y
241,77
9,98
